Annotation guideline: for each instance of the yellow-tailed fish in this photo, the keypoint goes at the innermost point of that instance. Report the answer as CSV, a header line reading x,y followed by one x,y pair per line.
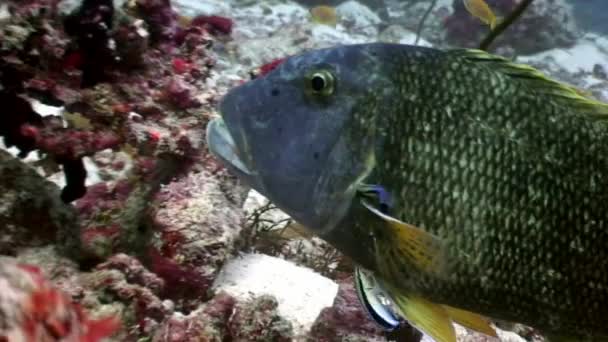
x,y
481,10
325,15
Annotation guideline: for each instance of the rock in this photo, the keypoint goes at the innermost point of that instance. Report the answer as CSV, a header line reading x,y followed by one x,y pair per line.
x,y
257,203
588,52
259,320
207,323
266,31
464,335
31,211
62,271
401,35
358,16
209,7
301,293
199,226
345,319
223,318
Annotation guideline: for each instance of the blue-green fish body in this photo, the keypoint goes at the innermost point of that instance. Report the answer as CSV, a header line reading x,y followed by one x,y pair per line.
x,y
497,176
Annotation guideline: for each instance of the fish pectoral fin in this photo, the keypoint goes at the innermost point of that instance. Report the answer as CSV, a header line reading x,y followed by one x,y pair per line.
x,y
421,249
471,320
433,319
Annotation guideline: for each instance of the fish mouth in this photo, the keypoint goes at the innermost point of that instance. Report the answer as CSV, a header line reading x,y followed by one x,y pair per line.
x,y
222,145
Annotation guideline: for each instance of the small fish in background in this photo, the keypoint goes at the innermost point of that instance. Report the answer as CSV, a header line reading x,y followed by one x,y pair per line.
x,y
481,10
325,15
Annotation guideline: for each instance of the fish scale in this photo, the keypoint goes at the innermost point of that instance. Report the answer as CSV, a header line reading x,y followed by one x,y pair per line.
x,y
496,175
533,183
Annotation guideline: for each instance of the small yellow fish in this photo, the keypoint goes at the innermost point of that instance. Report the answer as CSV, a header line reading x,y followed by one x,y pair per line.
x,y
481,10
325,15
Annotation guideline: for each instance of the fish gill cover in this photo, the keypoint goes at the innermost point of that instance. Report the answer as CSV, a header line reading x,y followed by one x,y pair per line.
x,y
111,204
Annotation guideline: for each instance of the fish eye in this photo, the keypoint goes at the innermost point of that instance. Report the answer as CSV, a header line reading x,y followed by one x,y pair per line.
x,y
321,83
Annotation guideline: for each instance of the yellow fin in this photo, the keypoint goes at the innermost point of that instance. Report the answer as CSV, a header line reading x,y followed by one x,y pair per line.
x,y
471,320
427,316
535,81
421,248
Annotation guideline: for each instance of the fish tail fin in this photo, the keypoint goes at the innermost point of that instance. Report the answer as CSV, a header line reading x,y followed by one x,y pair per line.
x,y
436,320
426,316
495,22
471,320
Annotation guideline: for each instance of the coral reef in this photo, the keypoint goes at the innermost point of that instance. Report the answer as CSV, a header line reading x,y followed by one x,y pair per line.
x,y
34,310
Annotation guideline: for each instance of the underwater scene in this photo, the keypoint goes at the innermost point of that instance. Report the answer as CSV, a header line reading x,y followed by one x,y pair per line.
x,y
303,170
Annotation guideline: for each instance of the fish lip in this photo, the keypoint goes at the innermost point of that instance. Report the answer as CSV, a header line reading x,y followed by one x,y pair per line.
x,y
222,145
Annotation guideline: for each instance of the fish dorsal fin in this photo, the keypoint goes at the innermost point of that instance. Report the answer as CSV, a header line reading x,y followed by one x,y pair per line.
x,y
562,94
471,320
420,248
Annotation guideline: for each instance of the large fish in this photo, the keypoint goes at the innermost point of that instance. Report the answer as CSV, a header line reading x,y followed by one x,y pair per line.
x,y
469,186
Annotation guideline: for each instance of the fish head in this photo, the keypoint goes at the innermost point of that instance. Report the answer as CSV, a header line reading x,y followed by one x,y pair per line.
x,y
302,135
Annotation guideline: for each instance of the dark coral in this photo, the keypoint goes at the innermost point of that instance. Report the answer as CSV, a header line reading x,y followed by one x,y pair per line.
x,y
160,17
17,112
90,27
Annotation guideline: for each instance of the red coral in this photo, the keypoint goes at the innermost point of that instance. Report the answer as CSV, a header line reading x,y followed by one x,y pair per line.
x,y
73,60
268,67
99,329
181,66
68,147
180,281
73,144
214,23
180,94
48,313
